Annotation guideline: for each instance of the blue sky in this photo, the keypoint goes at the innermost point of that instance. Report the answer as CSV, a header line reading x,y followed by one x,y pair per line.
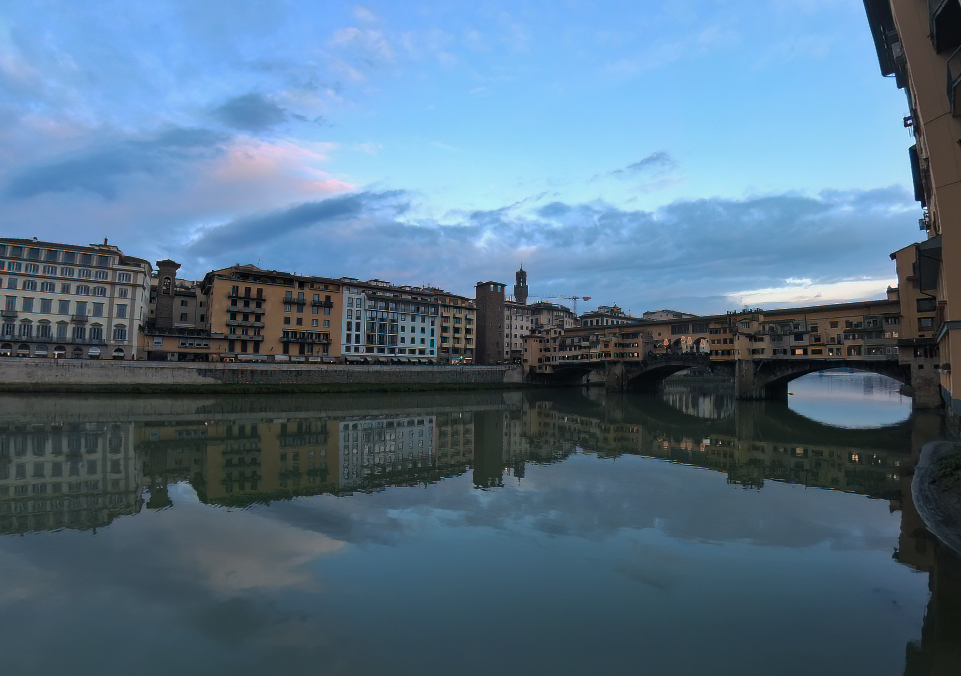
x,y
701,155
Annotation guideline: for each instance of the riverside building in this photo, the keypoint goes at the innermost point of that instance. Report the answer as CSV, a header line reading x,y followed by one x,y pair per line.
x,y
71,301
919,44
266,315
389,324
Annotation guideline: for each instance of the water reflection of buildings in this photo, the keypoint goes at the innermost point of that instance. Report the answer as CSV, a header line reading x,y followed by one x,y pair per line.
x,y
84,475
78,475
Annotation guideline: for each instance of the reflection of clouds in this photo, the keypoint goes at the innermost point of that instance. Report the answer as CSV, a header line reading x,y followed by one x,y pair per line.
x,y
21,580
237,551
849,399
586,498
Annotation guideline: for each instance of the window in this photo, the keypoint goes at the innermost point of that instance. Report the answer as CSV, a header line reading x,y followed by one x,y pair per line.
x,y
96,332
123,292
46,306
925,322
121,311
49,269
29,285
103,261
101,274
79,332
927,304
63,307
183,316
81,308
86,259
120,332
183,303
31,268
66,272
98,309
27,304
11,282
326,323
65,288
313,322
83,290
84,273
53,255
48,287
124,277
100,291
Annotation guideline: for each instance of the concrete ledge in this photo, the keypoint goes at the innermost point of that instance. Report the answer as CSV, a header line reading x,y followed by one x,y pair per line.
x,y
49,375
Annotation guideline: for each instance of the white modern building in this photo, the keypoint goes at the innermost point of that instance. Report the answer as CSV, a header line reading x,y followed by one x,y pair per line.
x,y
389,323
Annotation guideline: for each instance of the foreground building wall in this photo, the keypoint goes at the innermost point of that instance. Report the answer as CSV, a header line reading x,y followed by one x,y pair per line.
x,y
918,43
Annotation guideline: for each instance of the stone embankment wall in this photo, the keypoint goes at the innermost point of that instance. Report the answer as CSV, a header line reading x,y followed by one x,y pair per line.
x,y
69,375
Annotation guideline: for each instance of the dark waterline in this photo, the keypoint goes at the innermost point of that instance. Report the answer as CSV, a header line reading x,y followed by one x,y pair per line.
x,y
527,532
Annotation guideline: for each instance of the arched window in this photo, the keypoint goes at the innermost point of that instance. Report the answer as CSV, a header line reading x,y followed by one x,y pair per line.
x,y
166,286
118,353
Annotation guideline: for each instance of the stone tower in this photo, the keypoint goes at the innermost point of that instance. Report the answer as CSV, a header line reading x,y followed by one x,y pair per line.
x,y
520,288
489,301
166,282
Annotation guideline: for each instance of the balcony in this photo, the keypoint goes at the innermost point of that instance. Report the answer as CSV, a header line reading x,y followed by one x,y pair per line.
x,y
243,296
78,319
944,24
305,337
52,340
8,314
241,322
237,336
321,303
954,82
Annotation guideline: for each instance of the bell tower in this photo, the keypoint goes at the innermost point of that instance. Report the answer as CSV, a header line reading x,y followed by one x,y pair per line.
x,y
520,288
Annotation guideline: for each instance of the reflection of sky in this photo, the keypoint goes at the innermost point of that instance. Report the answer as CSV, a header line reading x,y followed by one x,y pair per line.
x,y
584,566
849,399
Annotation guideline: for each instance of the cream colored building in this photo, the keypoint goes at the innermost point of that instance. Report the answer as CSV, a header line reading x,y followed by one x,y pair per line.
x,y
71,301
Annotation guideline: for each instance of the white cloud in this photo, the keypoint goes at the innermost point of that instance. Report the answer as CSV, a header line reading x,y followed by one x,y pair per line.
x,y
799,292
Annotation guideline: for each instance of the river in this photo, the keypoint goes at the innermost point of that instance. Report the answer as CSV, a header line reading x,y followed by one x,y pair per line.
x,y
517,532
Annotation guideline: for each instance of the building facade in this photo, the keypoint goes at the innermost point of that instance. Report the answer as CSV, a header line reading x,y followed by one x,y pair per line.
x,y
919,44
70,301
266,315
389,324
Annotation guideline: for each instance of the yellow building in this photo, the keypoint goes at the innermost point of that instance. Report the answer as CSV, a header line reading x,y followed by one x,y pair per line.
x,y
458,323
920,45
265,315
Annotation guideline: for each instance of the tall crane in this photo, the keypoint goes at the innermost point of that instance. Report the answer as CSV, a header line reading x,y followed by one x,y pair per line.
x,y
571,298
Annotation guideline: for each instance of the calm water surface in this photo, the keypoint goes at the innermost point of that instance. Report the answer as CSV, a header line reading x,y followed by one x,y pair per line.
x,y
560,532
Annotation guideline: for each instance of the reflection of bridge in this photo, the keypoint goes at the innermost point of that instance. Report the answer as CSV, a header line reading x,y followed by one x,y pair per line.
x,y
754,379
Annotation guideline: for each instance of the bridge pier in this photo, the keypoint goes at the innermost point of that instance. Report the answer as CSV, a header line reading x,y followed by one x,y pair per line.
x,y
747,387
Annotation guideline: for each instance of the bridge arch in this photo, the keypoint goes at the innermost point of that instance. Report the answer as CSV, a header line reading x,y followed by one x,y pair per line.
x,y
768,379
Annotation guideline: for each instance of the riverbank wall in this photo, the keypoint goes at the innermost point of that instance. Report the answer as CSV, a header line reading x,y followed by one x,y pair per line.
x,y
69,375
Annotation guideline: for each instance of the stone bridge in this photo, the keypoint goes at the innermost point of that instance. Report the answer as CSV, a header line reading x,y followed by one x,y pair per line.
x,y
755,379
